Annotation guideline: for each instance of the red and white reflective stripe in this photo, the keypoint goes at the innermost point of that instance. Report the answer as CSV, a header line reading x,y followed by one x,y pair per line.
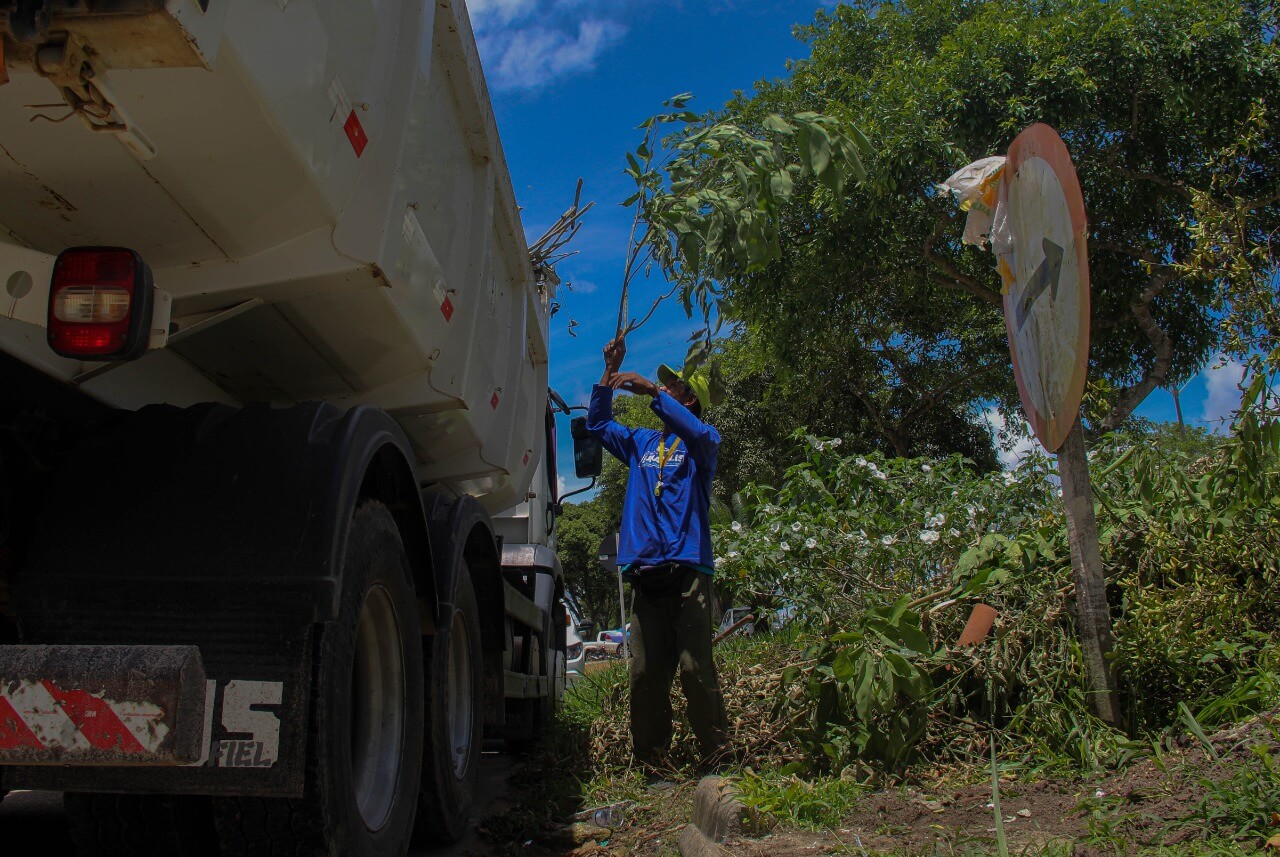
x,y
39,714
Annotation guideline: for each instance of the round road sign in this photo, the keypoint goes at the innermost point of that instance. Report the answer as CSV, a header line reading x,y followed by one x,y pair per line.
x,y
1046,307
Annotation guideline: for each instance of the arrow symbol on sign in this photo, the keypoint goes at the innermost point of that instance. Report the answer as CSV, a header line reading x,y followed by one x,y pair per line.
x,y
1046,276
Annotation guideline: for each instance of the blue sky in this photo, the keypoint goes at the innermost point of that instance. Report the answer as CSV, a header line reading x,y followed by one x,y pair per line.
x,y
571,80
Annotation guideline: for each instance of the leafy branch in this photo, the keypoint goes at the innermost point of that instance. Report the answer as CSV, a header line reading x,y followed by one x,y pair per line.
x,y
709,196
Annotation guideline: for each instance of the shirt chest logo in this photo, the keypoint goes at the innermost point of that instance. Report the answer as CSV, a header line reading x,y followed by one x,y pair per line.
x,y
650,458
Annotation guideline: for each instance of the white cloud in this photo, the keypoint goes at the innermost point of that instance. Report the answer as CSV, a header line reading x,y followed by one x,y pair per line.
x,y
572,483
1222,392
583,287
531,57
487,14
1013,443
527,44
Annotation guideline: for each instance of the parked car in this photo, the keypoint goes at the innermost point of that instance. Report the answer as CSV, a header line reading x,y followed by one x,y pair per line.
x,y
777,620
733,616
614,635
608,644
574,653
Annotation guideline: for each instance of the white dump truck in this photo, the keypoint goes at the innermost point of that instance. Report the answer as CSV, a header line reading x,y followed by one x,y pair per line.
x,y
277,473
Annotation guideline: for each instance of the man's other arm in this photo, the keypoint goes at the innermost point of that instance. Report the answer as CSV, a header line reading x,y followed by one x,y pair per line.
x,y
702,440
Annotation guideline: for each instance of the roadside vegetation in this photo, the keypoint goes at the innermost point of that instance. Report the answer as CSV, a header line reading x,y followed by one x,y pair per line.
x,y
859,488
863,715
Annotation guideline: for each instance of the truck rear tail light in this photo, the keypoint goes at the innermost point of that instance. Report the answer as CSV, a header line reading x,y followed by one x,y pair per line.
x,y
100,304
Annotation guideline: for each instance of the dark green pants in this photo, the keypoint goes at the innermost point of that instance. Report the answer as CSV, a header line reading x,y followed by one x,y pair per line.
x,y
670,631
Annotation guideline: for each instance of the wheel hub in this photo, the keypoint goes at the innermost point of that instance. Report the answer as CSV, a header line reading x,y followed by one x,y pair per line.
x,y
377,708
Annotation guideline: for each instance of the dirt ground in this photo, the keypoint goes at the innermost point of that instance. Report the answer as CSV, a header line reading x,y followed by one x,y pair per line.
x,y
1152,802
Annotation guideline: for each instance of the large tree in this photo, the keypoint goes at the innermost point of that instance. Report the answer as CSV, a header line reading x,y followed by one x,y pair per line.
x,y
1167,107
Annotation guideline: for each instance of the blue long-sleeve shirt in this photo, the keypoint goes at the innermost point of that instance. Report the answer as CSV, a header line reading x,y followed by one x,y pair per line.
x,y
676,526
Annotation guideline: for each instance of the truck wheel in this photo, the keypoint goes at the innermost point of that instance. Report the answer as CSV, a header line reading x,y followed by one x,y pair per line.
x,y
364,745
130,825
455,717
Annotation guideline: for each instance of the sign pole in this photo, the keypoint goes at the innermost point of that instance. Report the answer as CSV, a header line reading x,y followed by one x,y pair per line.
x,y
1092,612
1044,264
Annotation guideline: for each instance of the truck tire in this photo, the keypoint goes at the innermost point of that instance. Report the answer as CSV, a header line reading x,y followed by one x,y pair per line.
x,y
364,744
455,717
131,825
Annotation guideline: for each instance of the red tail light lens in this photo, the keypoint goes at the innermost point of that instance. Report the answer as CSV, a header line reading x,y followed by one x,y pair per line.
x,y
100,304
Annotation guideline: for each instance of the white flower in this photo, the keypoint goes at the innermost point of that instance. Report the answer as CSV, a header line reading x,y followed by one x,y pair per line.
x,y
888,540
795,527
1010,478
811,543
736,527
860,461
926,468
953,532
972,510
928,536
785,546
936,521
835,441
875,471
734,554
774,527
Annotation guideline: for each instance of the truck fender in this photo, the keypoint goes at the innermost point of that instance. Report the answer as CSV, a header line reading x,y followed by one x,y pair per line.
x,y
460,529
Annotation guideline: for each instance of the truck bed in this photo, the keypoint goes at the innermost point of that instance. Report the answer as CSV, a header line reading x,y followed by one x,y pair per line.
x,y
321,189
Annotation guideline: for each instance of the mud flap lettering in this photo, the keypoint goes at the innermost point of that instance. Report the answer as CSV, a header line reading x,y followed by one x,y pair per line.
x,y
245,713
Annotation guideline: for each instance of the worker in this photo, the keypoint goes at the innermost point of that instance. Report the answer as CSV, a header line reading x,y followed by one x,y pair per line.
x,y
664,549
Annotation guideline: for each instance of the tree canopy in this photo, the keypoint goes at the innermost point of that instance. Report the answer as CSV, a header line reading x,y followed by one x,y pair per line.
x,y
1166,107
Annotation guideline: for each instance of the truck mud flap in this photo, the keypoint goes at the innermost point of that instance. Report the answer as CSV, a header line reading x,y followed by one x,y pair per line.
x,y
253,691
102,705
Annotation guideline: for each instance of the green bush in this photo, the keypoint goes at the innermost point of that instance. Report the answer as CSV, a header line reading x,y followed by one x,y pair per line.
x,y
884,558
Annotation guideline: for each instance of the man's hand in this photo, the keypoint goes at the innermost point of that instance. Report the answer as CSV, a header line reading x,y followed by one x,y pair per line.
x,y
633,382
613,354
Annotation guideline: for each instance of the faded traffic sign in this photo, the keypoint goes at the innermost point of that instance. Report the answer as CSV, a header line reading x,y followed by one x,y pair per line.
x,y
1046,305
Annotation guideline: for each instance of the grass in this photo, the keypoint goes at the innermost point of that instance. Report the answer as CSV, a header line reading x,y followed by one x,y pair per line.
x,y
815,805
585,763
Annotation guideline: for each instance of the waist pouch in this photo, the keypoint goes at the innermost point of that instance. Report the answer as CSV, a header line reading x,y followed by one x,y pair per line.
x,y
660,581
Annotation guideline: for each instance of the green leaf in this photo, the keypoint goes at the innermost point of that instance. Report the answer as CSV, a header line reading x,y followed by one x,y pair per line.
x,y
818,146
843,667
781,185
777,124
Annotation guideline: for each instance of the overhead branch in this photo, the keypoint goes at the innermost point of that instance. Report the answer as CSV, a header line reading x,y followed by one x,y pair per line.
x,y
889,432
1156,376
1168,184
951,276
1262,202
1152,265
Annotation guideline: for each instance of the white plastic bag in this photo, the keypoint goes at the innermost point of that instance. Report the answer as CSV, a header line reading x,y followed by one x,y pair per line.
x,y
975,187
